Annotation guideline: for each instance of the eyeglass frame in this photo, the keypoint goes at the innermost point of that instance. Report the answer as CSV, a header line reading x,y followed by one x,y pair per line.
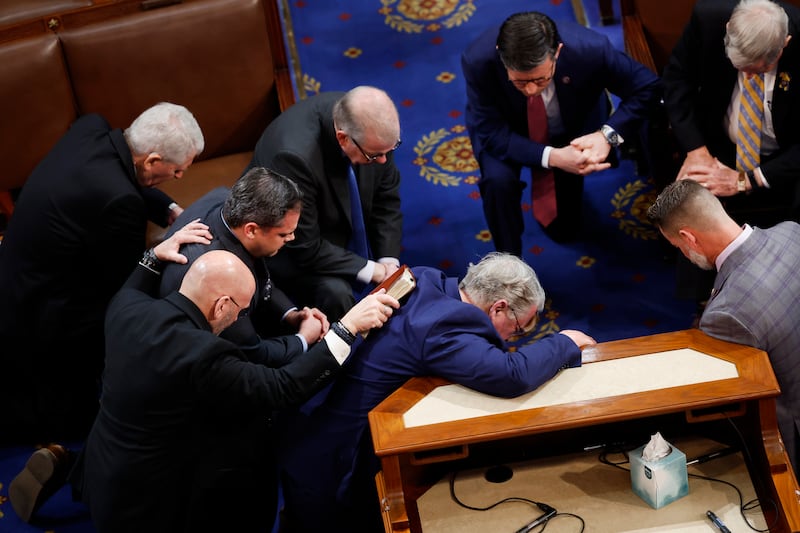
x,y
373,158
540,82
520,331
242,310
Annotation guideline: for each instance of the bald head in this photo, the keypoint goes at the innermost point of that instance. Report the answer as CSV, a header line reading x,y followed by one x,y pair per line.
x,y
220,285
366,111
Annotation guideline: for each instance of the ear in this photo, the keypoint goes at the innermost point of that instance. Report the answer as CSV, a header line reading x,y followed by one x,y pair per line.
x,y
341,137
499,307
250,229
151,159
689,237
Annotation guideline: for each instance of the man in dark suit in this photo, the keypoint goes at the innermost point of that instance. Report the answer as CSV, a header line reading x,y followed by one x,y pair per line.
x,y
254,219
170,381
571,68
756,291
725,44
78,226
315,143
456,330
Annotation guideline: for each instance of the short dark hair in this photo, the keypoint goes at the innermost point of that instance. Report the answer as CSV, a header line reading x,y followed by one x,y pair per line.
x,y
262,196
526,40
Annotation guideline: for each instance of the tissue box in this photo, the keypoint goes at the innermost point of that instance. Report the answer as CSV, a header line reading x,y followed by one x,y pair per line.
x,y
659,482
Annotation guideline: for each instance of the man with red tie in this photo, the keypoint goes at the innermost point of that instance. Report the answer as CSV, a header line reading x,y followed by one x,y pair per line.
x,y
536,98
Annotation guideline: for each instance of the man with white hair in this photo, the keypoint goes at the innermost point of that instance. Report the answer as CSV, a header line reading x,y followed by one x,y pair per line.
x,y
732,94
79,225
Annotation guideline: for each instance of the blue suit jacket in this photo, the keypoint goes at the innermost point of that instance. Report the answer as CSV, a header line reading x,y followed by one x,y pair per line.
x,y
329,463
587,65
755,302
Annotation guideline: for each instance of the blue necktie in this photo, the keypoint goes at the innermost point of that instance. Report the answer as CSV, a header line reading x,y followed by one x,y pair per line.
x,y
358,239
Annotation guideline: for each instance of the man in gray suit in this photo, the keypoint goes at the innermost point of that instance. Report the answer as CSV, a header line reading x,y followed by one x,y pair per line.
x,y
756,291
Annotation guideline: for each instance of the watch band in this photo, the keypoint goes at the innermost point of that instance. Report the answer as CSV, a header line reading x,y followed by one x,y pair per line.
x,y
612,137
151,262
343,333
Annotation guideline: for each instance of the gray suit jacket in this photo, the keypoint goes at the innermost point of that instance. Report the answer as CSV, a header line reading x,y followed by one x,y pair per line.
x,y
756,300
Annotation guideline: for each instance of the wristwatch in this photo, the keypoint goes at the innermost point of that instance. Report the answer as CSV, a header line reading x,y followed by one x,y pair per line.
x,y
741,183
151,262
612,137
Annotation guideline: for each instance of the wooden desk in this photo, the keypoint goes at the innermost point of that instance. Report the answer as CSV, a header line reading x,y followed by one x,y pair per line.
x,y
414,458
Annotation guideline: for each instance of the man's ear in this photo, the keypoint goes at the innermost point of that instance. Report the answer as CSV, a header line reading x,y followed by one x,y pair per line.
x,y
151,159
250,229
688,236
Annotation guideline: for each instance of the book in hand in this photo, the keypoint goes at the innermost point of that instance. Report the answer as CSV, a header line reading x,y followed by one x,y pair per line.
x,y
397,285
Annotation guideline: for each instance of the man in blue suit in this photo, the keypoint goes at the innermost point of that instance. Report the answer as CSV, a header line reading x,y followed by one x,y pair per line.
x,y
571,68
456,330
756,291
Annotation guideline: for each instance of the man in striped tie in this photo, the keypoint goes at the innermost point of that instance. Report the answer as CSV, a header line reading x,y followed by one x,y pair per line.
x,y
737,119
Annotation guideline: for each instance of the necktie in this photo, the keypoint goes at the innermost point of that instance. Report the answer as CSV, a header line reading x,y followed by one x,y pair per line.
x,y
751,116
543,188
358,238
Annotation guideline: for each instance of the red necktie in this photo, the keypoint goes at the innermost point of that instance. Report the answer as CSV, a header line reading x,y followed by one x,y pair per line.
x,y
543,190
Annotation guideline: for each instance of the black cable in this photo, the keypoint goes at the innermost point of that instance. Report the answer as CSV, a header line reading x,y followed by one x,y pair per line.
x,y
540,505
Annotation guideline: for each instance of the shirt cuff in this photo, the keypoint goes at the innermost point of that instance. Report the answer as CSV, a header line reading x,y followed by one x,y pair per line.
x,y
365,274
303,341
546,156
339,349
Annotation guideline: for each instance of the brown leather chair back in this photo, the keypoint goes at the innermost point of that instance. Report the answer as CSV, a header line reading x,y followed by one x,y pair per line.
x,y
205,55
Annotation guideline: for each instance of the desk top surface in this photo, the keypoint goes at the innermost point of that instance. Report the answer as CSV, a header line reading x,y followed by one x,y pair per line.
x,y
753,379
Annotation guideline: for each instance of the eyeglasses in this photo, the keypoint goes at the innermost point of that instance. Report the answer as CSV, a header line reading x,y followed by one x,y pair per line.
x,y
541,82
519,330
242,310
371,158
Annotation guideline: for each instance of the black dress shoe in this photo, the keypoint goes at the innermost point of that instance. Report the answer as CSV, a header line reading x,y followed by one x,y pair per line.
x,y
45,472
563,230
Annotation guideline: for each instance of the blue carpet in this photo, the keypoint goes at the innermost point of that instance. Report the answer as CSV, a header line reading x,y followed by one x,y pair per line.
x,y
613,284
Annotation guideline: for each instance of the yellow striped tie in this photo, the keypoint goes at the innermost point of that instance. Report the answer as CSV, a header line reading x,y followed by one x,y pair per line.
x,y
751,117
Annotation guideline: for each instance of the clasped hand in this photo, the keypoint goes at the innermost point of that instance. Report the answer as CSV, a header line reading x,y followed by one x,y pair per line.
x,y
709,172
582,155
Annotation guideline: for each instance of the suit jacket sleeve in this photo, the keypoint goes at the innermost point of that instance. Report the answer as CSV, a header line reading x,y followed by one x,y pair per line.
x,y
587,67
310,251
475,357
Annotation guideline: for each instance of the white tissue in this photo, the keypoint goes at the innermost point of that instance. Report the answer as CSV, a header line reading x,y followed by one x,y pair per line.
x,y
656,448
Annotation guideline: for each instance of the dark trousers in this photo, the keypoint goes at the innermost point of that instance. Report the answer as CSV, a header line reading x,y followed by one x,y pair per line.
x,y
501,189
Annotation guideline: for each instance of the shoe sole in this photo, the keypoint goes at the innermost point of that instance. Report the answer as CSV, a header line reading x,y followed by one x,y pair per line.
x,y
24,490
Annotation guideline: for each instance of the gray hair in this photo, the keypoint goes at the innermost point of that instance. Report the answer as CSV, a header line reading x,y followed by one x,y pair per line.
x,y
685,203
366,109
262,196
167,129
756,33
503,276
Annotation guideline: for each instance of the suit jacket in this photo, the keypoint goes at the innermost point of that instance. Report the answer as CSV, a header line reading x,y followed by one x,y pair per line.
x,y
587,65
77,231
699,81
269,303
301,144
168,383
328,462
755,302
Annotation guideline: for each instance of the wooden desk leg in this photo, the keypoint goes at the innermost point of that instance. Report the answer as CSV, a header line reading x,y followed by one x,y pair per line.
x,y
786,492
390,491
